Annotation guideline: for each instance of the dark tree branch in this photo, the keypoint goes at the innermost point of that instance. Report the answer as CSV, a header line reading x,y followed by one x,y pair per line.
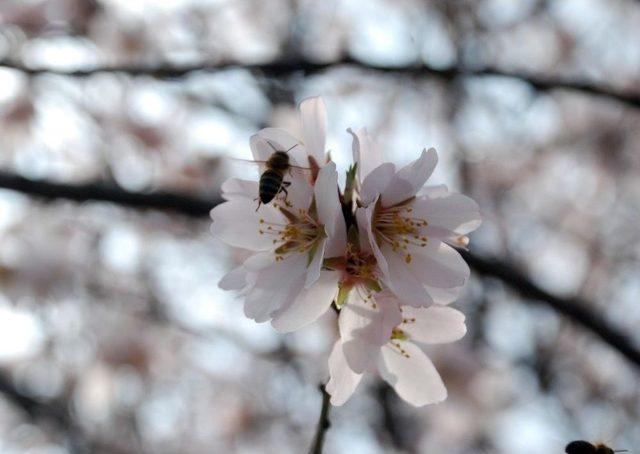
x,y
323,423
185,204
305,67
54,412
577,310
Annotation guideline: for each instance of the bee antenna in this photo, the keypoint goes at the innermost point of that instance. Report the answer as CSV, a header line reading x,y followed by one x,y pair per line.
x,y
294,145
621,450
271,145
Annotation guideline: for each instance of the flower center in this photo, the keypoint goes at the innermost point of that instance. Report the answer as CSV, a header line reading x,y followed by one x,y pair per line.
x,y
398,227
358,273
301,234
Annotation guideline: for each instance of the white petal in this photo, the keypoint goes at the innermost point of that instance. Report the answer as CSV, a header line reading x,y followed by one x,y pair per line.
x,y
439,265
376,182
314,126
326,194
309,305
438,190
296,148
444,296
365,326
415,378
234,279
276,287
433,325
337,243
313,270
238,188
365,152
403,282
367,240
237,223
410,179
300,192
262,148
453,214
343,381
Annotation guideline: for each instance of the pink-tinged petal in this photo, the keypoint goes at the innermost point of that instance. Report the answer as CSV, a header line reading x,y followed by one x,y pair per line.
x,y
235,279
439,190
237,188
259,261
309,305
326,195
452,214
444,296
343,381
433,325
275,288
439,265
403,282
410,179
365,326
313,270
337,243
376,182
295,147
414,377
263,148
314,127
365,152
238,224
300,193
355,317
367,240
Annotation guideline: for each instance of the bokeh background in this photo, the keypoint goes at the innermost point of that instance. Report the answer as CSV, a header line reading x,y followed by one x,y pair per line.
x,y
114,337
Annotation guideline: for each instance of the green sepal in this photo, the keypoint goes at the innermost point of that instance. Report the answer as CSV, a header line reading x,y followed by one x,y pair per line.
x,y
373,285
312,253
353,238
343,293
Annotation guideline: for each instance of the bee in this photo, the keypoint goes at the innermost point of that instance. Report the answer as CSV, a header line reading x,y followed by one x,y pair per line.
x,y
584,447
272,180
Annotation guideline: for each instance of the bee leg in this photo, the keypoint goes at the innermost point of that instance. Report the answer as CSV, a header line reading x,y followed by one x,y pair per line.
x,y
259,202
283,188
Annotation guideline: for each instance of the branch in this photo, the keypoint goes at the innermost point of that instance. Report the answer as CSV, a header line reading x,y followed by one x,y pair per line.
x,y
287,68
323,423
576,309
185,204
55,412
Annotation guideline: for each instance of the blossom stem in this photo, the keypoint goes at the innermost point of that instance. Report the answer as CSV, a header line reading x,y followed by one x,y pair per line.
x,y
323,423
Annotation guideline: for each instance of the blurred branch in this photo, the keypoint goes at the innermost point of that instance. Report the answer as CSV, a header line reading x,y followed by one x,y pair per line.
x,y
323,423
185,204
305,67
55,412
576,309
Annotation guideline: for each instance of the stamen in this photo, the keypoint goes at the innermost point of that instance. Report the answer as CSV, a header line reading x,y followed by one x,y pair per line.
x,y
300,234
397,227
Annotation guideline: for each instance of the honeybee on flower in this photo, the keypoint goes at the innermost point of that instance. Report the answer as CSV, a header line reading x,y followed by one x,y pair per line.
x,y
380,251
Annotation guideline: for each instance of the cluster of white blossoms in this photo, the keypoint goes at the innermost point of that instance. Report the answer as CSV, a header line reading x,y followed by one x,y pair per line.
x,y
378,251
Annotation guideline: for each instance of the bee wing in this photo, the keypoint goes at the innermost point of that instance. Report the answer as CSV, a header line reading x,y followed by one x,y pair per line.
x,y
283,141
262,147
252,161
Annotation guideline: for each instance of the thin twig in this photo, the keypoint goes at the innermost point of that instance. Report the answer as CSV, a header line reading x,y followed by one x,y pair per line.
x,y
578,310
323,423
287,68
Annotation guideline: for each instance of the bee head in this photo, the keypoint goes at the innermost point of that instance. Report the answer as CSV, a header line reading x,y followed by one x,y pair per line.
x,y
279,160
